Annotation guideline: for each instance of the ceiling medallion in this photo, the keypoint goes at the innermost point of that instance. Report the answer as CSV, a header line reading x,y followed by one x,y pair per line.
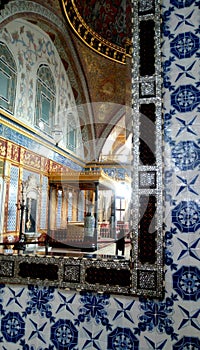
x,y
91,38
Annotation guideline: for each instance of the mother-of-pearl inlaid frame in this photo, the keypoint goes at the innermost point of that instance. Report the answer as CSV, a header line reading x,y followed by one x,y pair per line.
x,y
142,274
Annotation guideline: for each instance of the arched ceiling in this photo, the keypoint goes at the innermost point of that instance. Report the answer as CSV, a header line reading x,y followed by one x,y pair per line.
x,y
101,32
105,26
106,67
109,19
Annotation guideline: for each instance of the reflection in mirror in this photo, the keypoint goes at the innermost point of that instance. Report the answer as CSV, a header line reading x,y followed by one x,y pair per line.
x,y
80,153
93,206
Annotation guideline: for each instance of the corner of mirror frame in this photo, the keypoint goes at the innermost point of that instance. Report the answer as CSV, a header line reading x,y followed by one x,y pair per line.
x,y
141,275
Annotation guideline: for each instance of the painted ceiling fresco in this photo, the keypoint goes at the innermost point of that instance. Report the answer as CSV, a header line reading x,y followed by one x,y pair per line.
x,y
108,79
110,19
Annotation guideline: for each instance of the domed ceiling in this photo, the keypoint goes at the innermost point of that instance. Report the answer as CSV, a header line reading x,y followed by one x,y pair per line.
x,y
105,26
101,32
100,64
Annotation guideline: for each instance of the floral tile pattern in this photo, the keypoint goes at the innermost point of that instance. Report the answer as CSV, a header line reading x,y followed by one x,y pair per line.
x,y
122,338
157,315
12,327
186,282
36,318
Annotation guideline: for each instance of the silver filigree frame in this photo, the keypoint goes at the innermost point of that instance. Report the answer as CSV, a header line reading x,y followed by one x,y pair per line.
x,y
143,275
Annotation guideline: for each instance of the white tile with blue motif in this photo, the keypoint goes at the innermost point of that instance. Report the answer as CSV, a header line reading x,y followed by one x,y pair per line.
x,y
36,318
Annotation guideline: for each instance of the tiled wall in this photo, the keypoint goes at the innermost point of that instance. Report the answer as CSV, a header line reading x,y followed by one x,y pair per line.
x,y
35,318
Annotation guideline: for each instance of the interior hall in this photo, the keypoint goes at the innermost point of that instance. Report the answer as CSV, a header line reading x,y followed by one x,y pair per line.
x,y
99,182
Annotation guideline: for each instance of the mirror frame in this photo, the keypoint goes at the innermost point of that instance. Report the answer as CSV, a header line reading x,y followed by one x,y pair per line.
x,y
137,276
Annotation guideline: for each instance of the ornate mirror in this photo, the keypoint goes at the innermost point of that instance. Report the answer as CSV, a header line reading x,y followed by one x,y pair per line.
x,y
125,197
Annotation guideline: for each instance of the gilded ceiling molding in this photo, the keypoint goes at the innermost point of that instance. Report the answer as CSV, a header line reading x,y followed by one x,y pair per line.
x,y
91,38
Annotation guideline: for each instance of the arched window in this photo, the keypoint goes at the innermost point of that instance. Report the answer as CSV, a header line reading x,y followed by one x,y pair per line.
x,y
45,99
8,79
71,136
